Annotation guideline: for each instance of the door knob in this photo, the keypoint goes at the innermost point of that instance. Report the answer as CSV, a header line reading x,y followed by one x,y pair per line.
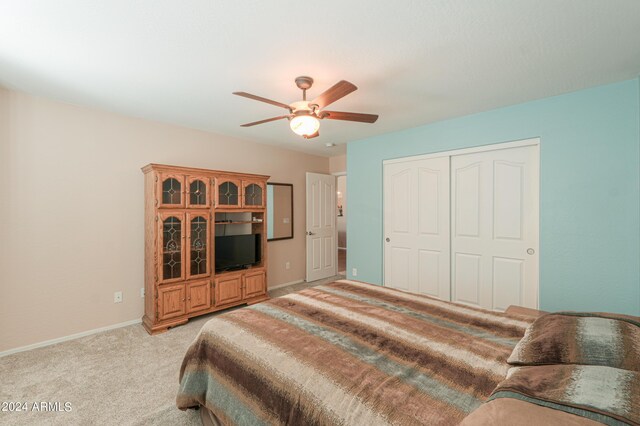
x,y
387,239
310,233
530,251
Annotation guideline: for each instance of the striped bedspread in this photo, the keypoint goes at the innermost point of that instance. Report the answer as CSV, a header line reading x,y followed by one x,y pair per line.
x,y
348,353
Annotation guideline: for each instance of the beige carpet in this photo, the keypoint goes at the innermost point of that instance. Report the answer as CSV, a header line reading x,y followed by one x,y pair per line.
x,y
119,377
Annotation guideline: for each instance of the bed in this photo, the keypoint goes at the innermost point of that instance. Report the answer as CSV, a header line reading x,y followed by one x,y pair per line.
x,y
357,354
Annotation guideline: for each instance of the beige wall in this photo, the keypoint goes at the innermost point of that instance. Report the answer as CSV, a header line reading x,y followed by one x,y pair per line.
x,y
338,164
72,210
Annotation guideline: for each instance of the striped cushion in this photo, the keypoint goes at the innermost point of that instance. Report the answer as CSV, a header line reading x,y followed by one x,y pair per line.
x,y
581,338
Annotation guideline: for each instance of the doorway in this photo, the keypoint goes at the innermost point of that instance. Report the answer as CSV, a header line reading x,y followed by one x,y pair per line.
x,y
341,214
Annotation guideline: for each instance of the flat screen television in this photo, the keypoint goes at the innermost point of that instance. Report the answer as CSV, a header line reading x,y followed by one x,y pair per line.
x,y
237,251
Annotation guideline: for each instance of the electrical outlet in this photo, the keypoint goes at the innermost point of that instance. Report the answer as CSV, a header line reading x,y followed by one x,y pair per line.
x,y
142,292
117,297
354,272
287,265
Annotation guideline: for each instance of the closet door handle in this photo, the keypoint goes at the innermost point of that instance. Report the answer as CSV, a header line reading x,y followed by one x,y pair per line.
x,y
388,239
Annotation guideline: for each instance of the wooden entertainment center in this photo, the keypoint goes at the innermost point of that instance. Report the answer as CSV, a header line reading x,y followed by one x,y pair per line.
x,y
185,210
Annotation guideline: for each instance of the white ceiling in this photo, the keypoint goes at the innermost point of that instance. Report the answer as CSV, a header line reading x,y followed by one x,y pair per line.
x,y
414,62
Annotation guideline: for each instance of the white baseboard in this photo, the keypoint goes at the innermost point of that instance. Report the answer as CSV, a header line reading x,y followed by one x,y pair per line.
x,y
70,337
342,248
100,330
285,284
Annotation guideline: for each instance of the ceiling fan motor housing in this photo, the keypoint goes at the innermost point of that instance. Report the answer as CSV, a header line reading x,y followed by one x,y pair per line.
x,y
303,82
302,108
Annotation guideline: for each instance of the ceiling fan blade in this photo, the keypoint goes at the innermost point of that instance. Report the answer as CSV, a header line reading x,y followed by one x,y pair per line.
x,y
264,121
315,135
349,116
335,92
261,99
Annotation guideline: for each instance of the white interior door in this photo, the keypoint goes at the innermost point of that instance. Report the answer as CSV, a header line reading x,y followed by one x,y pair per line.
x,y
322,251
416,226
494,227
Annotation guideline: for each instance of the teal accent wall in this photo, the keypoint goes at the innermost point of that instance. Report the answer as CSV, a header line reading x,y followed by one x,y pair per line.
x,y
589,190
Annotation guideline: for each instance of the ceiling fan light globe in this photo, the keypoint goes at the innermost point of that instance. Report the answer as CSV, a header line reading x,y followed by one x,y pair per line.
x,y
304,125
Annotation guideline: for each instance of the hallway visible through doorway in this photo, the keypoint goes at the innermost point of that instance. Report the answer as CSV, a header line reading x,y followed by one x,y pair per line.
x,y
341,204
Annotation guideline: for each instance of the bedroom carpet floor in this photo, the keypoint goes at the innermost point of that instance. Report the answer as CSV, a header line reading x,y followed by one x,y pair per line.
x,y
118,377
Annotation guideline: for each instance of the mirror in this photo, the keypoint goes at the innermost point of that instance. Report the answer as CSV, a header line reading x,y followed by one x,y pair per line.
x,y
279,211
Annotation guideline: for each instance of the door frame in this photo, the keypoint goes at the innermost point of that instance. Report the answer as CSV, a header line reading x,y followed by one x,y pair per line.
x,y
461,151
481,148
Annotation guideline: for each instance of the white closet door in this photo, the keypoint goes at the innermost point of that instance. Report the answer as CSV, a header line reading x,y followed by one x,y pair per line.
x,y
494,228
416,226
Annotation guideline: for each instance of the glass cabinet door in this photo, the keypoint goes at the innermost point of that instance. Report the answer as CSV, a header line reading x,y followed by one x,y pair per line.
x,y
171,190
228,193
197,192
171,246
253,194
198,252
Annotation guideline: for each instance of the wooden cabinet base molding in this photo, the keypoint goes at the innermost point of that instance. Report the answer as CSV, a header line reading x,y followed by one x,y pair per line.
x,y
185,209
157,327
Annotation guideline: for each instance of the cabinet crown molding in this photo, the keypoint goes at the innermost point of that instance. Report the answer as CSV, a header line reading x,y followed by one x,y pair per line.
x,y
198,171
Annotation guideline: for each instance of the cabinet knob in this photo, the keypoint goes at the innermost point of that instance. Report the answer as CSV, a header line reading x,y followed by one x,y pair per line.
x,y
388,239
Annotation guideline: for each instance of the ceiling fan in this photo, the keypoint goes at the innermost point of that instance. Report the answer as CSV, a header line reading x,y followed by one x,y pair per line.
x,y
304,116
